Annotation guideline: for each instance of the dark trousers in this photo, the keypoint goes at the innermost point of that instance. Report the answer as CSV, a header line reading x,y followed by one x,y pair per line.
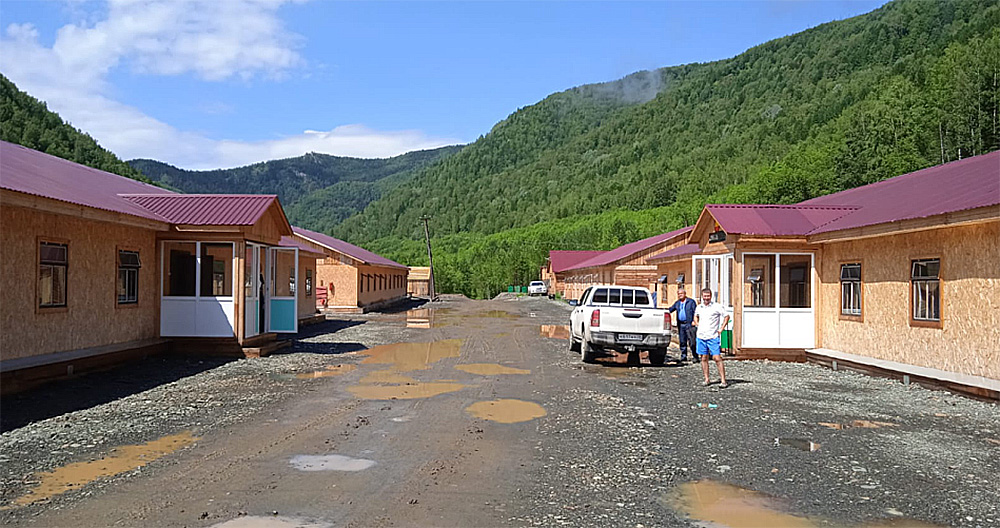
x,y
685,336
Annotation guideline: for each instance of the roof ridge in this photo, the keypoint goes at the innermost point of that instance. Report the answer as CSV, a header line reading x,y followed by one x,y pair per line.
x,y
784,206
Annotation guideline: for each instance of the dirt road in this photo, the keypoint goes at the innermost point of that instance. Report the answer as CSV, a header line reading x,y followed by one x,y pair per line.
x,y
475,413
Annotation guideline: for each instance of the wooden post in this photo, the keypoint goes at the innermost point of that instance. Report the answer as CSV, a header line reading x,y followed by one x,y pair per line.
x,y
430,258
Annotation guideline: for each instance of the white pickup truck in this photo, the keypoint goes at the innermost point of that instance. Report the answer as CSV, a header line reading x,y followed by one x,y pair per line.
x,y
619,318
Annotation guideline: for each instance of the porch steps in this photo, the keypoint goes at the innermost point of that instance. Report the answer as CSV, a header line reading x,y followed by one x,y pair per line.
x,y
265,349
312,319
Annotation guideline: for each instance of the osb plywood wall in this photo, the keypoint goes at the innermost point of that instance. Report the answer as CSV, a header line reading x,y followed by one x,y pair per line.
x,y
92,316
307,300
340,280
968,341
385,283
667,293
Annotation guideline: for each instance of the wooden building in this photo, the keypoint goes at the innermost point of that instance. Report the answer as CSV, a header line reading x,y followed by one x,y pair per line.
x,y
98,267
627,265
356,279
900,277
553,273
418,281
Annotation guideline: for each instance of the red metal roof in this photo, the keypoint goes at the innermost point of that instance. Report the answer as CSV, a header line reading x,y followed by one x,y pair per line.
x,y
350,250
39,174
289,242
686,249
563,260
774,220
206,209
957,186
629,249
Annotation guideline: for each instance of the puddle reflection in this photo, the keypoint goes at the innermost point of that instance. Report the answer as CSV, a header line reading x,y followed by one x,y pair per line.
x,y
330,370
554,331
406,357
121,459
506,411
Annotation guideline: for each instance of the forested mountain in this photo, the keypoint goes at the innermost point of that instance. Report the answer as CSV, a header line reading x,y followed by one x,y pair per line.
x,y
316,190
909,85
27,121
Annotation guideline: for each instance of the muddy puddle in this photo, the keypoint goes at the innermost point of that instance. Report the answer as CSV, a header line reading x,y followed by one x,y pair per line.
x,y
554,331
329,463
329,371
410,391
506,411
259,521
722,504
399,358
490,369
120,460
407,357
711,503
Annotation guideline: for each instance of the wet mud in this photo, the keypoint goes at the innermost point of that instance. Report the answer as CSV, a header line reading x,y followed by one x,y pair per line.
x,y
506,411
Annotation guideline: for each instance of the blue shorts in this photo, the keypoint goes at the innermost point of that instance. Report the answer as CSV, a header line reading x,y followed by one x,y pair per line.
x,y
710,346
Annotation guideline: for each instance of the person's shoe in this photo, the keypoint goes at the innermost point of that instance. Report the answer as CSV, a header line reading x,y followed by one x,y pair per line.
x,y
706,383
723,385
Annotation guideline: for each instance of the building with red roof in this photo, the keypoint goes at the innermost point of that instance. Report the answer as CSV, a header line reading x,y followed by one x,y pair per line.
x,y
627,265
355,279
99,266
900,276
553,273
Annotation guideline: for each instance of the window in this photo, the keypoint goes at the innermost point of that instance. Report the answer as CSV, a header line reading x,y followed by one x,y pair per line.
x,y
128,277
53,260
309,283
627,297
926,289
615,297
850,289
795,281
641,298
600,296
758,286
217,269
181,268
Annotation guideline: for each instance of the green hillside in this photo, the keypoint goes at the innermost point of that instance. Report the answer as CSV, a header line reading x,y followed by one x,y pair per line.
x,y
316,190
909,85
27,121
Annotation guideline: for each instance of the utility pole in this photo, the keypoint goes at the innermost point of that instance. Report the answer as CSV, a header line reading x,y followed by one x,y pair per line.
x,y
430,258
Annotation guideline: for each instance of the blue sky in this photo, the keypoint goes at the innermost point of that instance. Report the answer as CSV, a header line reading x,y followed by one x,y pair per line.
x,y
209,84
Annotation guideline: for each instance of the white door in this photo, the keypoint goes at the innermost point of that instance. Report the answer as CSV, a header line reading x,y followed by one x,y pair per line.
x,y
778,300
253,294
282,290
715,273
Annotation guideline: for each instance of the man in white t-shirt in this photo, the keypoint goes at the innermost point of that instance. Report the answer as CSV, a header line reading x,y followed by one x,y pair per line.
x,y
711,319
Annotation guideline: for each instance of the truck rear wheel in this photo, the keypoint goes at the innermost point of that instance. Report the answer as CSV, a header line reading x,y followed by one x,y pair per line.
x,y
657,357
587,354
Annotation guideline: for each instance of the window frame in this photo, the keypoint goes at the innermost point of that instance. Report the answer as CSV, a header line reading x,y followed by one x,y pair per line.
x,y
118,269
859,317
926,323
50,308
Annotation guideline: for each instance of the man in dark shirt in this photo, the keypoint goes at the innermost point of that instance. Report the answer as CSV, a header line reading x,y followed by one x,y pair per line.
x,y
685,308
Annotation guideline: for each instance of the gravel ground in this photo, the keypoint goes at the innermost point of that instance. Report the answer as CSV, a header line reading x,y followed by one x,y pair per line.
x,y
94,413
615,445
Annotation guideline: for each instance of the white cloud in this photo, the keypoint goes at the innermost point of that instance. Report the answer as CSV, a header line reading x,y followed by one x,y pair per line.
x,y
209,39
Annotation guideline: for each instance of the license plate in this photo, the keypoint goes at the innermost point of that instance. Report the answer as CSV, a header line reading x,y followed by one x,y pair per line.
x,y
629,337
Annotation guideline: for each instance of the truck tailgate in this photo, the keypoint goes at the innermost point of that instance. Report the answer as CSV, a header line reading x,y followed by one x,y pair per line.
x,y
632,320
